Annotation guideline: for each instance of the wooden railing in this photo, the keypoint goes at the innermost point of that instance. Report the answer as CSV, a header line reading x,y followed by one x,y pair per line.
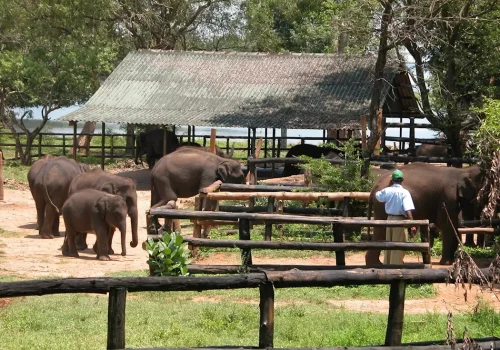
x,y
339,246
117,288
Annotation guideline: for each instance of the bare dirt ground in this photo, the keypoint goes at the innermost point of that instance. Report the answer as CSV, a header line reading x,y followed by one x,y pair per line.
x,y
24,254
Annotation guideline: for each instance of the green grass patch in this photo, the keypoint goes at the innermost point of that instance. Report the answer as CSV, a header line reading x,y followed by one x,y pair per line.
x,y
8,234
15,171
197,319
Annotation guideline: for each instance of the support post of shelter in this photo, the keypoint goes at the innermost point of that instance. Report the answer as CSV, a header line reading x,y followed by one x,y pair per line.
x,y
213,139
164,140
74,138
1,176
363,132
103,144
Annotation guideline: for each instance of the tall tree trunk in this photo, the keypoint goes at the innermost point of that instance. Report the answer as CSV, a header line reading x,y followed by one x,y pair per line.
x,y
378,85
85,137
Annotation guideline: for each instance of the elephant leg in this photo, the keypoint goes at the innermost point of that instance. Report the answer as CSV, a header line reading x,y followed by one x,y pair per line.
x,y
111,233
450,241
69,245
481,240
48,223
40,215
55,226
81,241
102,244
372,257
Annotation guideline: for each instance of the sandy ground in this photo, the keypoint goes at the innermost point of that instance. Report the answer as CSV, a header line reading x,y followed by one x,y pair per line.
x,y
24,254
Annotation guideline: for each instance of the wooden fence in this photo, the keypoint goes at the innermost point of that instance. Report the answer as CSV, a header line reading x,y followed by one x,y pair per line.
x,y
117,288
337,223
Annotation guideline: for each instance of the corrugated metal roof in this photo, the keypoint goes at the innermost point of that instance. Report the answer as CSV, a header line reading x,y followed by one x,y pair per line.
x,y
296,91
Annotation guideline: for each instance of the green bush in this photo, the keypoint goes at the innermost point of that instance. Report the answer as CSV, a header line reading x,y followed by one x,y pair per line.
x,y
168,256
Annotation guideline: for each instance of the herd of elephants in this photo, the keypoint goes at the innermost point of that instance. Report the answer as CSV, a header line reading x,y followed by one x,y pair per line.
x,y
95,201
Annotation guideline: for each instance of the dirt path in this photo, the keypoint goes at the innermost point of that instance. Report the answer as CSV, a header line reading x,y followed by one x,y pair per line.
x,y
24,254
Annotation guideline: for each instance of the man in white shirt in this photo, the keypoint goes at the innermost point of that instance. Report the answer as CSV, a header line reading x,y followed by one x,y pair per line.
x,y
398,206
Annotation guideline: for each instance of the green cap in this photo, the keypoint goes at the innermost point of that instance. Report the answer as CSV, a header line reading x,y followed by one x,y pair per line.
x,y
397,175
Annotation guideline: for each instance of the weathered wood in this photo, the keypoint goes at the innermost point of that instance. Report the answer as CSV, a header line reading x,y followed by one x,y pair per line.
x,y
300,196
290,279
1,176
212,188
229,269
215,222
266,329
225,187
479,230
287,210
163,212
363,132
245,244
103,143
403,159
213,139
394,331
268,231
116,318
479,223
244,234
133,284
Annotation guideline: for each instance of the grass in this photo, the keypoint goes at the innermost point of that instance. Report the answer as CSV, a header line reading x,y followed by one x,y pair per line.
x,y
6,234
196,319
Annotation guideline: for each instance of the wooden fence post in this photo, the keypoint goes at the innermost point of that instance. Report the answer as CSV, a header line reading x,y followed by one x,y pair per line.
x,y
270,210
244,234
425,237
116,318
363,132
74,139
103,144
266,329
39,145
396,314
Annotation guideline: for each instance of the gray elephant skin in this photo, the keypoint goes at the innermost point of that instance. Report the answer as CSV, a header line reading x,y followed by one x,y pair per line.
x,y
309,150
426,150
185,172
218,151
98,179
150,143
431,186
98,212
34,170
50,191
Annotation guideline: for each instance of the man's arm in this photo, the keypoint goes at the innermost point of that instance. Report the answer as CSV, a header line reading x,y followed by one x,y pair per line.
x,y
413,229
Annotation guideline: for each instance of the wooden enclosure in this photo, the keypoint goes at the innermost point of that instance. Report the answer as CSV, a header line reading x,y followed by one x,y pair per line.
x,y
117,289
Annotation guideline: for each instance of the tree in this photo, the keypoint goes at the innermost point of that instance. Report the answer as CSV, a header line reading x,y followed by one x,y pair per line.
x,y
47,59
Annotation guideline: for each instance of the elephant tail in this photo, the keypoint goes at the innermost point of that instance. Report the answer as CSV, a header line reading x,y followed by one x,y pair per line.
x,y
50,201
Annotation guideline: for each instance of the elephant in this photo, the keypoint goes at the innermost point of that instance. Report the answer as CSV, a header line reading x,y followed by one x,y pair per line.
x,y
431,186
50,191
218,151
306,149
185,172
427,150
34,169
150,143
94,211
100,180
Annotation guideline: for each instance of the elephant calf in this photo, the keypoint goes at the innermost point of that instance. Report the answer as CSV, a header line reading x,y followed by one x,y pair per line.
x,y
97,212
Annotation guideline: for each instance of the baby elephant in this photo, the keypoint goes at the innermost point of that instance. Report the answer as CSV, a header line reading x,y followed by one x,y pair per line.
x,y
97,212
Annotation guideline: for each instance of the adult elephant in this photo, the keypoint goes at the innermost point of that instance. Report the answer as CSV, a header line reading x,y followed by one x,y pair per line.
x,y
50,191
427,150
185,172
431,187
100,180
150,143
32,173
309,150
94,211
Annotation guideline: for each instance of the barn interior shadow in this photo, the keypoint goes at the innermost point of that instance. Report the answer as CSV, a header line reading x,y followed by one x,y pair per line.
x,y
140,177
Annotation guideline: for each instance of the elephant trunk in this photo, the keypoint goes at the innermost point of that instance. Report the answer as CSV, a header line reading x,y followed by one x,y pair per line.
x,y
134,222
123,233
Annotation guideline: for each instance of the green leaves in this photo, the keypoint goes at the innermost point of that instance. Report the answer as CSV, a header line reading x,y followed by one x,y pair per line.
x,y
168,256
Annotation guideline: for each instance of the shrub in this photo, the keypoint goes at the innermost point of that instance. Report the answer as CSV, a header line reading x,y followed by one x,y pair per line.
x,y
168,256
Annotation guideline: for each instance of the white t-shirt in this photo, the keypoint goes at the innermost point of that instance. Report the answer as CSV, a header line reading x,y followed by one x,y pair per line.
x,y
397,200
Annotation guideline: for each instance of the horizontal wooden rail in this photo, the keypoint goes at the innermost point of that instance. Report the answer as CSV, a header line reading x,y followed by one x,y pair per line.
x,y
402,159
286,210
301,196
262,188
285,279
276,218
229,269
479,223
243,244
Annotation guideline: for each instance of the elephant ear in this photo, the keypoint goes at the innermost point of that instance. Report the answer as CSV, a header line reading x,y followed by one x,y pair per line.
x,y
101,206
109,187
223,171
466,190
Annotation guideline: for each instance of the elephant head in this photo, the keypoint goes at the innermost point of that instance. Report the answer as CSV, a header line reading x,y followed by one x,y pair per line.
x,y
113,210
129,195
468,187
230,171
